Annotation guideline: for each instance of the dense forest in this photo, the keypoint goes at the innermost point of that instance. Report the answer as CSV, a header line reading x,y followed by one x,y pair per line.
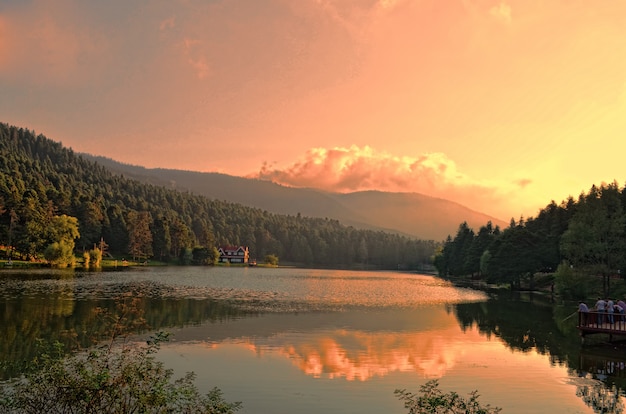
x,y
49,194
581,241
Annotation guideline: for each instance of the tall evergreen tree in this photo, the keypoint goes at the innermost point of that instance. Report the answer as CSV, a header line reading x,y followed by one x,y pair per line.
x,y
139,234
595,237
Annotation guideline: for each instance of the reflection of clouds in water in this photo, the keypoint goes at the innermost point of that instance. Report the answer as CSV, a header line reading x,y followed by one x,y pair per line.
x,y
335,364
345,356
358,355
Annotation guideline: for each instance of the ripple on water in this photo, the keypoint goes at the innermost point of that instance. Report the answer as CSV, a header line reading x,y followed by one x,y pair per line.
x,y
286,291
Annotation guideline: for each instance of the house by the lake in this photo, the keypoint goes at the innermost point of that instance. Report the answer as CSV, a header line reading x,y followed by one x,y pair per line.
x,y
233,254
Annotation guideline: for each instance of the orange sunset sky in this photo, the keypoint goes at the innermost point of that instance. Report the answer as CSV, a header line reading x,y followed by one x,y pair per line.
x,y
499,105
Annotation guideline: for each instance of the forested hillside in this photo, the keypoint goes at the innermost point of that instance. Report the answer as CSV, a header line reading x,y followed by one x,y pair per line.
x,y
41,180
412,214
583,242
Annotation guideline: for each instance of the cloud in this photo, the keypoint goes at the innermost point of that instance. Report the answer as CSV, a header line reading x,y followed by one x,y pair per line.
x,y
53,50
501,12
387,4
354,168
4,43
363,168
168,23
524,182
192,49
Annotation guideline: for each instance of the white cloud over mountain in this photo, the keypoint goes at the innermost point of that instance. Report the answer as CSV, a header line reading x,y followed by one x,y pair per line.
x,y
364,168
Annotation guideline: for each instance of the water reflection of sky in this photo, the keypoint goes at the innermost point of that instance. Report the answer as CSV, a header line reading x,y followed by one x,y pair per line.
x,y
322,341
268,289
372,354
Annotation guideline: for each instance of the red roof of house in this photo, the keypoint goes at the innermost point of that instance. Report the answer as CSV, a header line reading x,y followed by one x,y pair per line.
x,y
232,248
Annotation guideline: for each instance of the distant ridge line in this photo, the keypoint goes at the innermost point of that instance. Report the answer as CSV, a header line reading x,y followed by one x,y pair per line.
x,y
411,214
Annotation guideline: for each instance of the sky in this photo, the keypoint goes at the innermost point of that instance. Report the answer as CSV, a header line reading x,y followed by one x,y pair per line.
x,y
500,105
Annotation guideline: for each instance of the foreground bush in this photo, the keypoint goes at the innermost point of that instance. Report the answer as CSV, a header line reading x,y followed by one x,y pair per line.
x,y
117,377
432,400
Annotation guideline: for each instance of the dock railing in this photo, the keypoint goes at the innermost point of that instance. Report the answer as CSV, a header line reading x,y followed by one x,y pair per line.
x,y
601,322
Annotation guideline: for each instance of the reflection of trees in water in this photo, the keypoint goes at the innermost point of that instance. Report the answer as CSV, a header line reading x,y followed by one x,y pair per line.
x,y
537,324
522,324
57,315
605,367
605,363
601,398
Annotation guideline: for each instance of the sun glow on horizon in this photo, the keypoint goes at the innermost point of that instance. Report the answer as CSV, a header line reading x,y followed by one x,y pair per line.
x,y
500,105
351,169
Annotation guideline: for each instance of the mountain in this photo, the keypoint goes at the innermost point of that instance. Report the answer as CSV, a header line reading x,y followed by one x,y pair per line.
x,y
411,214
48,192
416,214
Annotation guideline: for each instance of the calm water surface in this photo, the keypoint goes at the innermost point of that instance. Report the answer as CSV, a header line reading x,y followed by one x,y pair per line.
x,y
310,341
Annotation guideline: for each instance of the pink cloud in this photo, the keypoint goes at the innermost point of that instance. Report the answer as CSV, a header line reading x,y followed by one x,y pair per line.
x,y
193,50
355,169
501,12
433,174
5,51
55,48
168,23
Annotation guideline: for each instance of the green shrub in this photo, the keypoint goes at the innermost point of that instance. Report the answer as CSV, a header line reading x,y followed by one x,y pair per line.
x,y
60,254
95,257
86,259
271,259
432,400
118,376
571,283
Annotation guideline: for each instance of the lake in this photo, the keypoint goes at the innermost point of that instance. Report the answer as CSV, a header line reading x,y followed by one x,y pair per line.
x,y
285,340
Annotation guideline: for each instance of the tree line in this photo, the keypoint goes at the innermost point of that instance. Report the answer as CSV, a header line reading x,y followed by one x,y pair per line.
x,y
580,241
41,181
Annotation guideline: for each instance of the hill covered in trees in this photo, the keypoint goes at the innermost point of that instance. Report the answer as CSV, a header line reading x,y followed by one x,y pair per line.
x,y
40,181
412,214
582,241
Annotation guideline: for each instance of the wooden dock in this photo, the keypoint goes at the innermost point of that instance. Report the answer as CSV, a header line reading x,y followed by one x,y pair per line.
x,y
594,322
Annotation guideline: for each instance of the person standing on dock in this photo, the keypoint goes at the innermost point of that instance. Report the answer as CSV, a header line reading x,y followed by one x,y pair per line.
x,y
622,305
610,310
600,308
584,312
619,311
